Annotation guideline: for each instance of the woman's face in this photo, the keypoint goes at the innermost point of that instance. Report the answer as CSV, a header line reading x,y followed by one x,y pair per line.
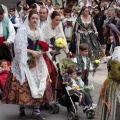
x,y
56,20
86,11
34,20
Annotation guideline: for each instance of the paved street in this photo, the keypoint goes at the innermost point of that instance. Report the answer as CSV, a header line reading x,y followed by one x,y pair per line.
x,y
11,112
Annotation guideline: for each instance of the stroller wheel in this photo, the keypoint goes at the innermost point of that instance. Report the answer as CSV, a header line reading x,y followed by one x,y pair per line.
x,y
89,115
57,109
71,116
51,109
71,108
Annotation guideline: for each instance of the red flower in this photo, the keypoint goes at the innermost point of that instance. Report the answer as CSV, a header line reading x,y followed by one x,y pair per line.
x,y
44,46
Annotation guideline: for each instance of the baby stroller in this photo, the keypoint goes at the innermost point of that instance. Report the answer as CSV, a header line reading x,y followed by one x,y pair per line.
x,y
63,97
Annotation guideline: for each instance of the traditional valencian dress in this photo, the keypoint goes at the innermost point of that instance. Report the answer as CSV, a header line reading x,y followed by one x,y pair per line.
x,y
108,107
49,33
84,32
27,86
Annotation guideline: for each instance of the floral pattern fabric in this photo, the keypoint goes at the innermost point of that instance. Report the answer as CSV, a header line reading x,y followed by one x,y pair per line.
x,y
85,33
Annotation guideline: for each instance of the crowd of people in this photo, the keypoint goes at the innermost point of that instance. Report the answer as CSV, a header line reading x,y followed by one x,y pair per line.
x,y
89,30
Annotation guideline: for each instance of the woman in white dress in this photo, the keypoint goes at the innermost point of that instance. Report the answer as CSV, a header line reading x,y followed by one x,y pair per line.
x,y
53,29
28,86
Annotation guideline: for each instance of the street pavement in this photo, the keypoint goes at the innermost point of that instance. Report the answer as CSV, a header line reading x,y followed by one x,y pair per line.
x,y
11,112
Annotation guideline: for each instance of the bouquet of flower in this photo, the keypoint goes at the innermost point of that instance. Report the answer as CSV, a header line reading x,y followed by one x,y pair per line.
x,y
96,63
42,46
59,44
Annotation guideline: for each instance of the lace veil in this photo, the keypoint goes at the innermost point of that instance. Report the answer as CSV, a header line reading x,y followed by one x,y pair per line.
x,y
116,54
20,48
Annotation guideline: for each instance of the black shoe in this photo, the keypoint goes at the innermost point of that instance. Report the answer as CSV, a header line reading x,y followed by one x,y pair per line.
x,y
0,95
22,115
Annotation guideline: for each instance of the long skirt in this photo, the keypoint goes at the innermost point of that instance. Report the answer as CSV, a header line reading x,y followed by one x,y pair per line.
x,y
108,107
53,73
14,93
93,43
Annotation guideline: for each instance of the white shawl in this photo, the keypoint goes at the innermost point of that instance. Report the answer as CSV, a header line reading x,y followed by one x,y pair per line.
x,y
20,67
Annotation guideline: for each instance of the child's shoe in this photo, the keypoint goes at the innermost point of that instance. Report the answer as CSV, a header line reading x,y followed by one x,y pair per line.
x,y
85,109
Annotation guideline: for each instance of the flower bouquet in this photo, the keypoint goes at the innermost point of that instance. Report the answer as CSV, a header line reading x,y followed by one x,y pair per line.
x,y
96,63
42,46
59,44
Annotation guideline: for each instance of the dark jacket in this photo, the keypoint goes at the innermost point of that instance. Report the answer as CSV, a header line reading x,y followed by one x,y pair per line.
x,y
99,21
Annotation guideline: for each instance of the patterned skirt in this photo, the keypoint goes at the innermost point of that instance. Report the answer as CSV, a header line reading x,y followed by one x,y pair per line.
x,y
93,43
108,107
14,93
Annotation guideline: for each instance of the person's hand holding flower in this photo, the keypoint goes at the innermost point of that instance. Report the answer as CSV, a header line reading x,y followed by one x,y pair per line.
x,y
96,63
35,54
59,44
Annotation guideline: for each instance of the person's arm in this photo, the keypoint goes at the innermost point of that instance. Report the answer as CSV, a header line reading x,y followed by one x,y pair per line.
x,y
80,82
17,23
34,53
94,27
11,36
91,68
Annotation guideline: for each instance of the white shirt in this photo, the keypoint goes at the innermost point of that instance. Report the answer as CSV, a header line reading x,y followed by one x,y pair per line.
x,y
17,23
43,24
80,84
11,36
85,62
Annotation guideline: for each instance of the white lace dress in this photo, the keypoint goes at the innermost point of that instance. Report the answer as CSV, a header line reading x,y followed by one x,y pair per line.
x,y
36,76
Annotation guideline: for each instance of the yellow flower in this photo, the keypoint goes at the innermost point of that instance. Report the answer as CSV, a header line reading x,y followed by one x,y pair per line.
x,y
60,43
97,61
92,87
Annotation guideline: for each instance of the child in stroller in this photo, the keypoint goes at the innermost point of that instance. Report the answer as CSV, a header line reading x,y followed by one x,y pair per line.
x,y
76,87
69,94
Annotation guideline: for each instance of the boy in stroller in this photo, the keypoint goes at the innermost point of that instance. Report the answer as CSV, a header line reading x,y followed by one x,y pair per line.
x,y
76,87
